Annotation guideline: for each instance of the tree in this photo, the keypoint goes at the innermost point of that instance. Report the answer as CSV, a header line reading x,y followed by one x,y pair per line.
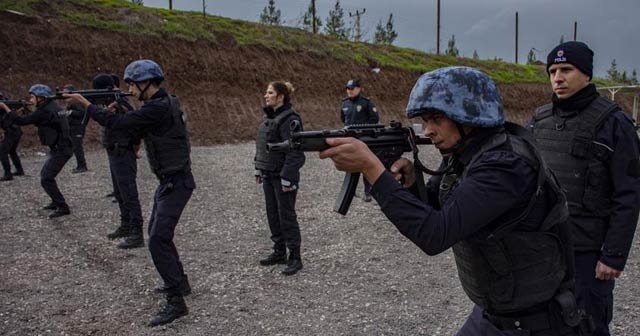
x,y
335,23
307,23
452,50
385,34
475,55
138,2
561,39
623,78
613,73
531,57
270,15
634,77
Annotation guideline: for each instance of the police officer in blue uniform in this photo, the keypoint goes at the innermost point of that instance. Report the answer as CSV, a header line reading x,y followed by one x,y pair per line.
x,y
9,145
279,174
78,120
592,147
120,145
356,110
496,205
53,131
163,125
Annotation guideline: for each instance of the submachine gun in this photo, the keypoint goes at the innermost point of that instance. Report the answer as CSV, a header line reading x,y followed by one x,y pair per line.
x,y
99,97
387,143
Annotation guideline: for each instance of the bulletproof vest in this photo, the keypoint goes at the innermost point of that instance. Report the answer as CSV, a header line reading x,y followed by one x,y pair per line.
x,y
269,131
169,152
505,269
583,174
119,138
79,120
55,130
357,111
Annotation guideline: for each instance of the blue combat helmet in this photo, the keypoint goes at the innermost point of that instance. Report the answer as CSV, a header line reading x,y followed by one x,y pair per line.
x,y
40,90
464,95
143,70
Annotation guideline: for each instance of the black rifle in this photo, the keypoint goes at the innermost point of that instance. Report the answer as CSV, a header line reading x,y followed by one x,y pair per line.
x,y
16,104
387,143
100,97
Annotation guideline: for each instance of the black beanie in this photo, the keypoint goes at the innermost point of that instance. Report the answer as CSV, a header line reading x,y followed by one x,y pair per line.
x,y
575,53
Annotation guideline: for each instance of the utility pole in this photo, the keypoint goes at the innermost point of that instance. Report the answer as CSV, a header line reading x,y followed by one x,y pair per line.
x,y
358,34
313,17
204,8
438,31
575,30
170,4
516,37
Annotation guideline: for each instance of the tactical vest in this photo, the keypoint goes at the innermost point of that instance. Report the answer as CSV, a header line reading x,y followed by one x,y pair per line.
x,y
55,130
168,153
269,131
508,270
583,174
120,138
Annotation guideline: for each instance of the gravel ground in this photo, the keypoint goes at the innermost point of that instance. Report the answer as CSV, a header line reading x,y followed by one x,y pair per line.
x,y
360,276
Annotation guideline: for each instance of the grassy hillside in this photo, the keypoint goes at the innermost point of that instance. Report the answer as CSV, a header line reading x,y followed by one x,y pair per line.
x,y
121,15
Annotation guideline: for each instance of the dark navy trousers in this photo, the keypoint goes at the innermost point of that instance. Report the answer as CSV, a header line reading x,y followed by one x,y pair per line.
x,y
169,201
57,158
281,214
478,325
593,295
124,169
77,137
8,149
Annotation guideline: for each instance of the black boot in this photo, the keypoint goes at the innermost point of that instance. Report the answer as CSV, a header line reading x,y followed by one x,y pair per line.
x,y
276,257
184,287
173,309
18,173
6,177
133,239
50,206
61,210
120,232
294,264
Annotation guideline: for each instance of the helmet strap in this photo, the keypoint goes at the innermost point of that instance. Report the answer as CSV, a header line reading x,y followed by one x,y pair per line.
x,y
142,91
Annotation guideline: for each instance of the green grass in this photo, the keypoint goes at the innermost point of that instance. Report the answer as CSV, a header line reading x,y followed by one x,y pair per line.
x,y
124,16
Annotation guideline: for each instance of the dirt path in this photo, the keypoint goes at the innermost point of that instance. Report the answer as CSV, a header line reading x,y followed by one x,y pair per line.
x,y
360,276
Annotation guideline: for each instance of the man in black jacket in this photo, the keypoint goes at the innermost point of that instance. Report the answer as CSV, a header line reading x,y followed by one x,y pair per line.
x,y
163,125
78,120
357,110
592,147
53,131
9,145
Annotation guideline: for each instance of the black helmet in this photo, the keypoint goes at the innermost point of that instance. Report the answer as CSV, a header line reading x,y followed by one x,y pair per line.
x,y
103,81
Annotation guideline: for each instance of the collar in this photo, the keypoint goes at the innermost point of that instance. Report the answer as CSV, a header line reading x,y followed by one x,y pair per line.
x,y
578,102
271,113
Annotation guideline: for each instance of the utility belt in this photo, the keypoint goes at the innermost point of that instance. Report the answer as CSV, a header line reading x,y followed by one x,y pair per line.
x,y
118,149
561,316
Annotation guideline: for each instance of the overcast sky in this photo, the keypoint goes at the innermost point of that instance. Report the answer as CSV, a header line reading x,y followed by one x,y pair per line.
x,y
610,27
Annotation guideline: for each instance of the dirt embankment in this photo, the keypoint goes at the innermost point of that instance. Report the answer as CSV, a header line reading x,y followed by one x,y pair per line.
x,y
220,84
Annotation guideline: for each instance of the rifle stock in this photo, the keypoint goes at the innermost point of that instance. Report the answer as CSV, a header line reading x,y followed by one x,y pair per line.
x,y
387,143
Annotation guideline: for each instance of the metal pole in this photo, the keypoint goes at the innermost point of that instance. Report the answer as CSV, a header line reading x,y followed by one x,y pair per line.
x,y
575,30
313,16
516,37
204,8
170,4
438,31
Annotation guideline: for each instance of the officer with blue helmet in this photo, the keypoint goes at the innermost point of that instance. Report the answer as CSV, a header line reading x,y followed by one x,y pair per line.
x,y
496,204
53,131
591,145
9,145
121,145
357,109
163,125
